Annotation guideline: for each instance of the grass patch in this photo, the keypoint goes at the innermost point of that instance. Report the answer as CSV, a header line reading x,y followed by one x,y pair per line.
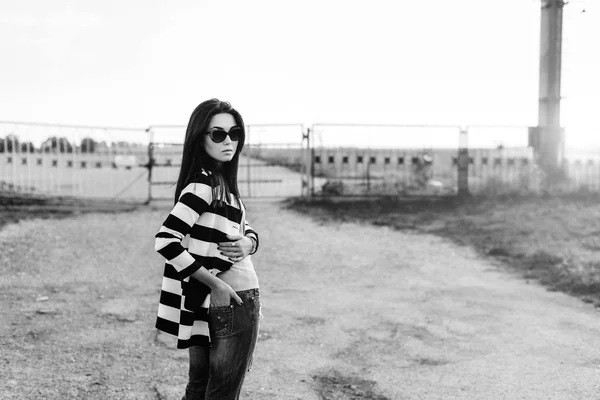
x,y
336,386
14,207
554,240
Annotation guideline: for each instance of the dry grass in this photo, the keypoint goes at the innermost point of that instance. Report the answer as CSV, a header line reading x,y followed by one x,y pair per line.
x,y
554,240
14,207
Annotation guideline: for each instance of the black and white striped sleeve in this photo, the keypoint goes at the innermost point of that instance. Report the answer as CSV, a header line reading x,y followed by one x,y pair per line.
x,y
194,199
251,232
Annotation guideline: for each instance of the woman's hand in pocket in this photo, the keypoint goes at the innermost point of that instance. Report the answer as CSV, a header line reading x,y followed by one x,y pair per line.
x,y
222,294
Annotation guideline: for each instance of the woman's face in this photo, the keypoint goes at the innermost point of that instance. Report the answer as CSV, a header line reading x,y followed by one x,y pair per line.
x,y
224,151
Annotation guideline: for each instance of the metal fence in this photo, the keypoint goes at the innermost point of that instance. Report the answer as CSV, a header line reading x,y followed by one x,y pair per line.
x,y
359,160
73,161
383,159
272,163
137,165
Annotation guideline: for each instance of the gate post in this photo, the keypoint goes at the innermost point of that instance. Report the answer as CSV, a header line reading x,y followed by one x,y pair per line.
x,y
305,156
463,162
312,164
150,163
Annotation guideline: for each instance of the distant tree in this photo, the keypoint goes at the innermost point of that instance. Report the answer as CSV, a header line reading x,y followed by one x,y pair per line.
x,y
10,143
88,145
102,147
138,145
122,144
27,147
57,144
121,147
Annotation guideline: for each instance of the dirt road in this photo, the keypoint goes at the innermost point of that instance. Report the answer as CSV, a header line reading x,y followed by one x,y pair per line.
x,y
351,312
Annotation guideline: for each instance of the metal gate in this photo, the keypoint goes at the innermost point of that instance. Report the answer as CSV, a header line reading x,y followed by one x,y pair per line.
x,y
359,160
274,162
420,160
437,160
72,162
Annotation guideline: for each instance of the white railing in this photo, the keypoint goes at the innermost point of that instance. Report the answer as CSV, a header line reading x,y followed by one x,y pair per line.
x,y
113,163
376,159
74,161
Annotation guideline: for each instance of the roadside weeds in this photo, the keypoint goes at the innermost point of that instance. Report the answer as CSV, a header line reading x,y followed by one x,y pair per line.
x,y
14,208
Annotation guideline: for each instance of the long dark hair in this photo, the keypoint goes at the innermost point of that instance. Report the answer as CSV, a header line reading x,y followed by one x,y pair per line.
x,y
223,177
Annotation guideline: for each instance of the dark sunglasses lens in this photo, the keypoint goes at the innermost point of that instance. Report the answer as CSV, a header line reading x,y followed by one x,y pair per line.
x,y
218,135
235,134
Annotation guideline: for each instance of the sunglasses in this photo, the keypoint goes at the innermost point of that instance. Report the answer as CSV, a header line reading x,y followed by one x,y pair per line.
x,y
218,135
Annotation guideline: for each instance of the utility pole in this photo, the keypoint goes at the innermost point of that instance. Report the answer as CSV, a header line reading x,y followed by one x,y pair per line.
x,y
547,138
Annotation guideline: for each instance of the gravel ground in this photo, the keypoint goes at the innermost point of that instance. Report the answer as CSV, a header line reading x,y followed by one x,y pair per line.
x,y
553,240
352,311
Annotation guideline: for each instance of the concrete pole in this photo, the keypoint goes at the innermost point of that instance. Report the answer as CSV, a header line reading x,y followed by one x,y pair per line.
x,y
549,140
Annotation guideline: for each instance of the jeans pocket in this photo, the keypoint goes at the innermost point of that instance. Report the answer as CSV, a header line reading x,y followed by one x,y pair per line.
x,y
220,321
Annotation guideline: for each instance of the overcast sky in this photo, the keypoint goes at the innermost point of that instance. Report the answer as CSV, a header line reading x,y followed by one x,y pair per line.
x,y
137,63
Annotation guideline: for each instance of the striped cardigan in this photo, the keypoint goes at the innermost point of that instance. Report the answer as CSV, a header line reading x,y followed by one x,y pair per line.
x,y
188,240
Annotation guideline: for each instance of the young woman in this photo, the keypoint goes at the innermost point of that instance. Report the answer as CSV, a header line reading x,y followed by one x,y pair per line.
x,y
210,297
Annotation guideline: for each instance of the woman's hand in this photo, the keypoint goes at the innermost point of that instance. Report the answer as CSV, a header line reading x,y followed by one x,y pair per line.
x,y
222,294
237,248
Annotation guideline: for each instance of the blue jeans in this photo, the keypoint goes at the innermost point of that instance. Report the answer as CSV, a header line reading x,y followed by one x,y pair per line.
x,y
217,372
